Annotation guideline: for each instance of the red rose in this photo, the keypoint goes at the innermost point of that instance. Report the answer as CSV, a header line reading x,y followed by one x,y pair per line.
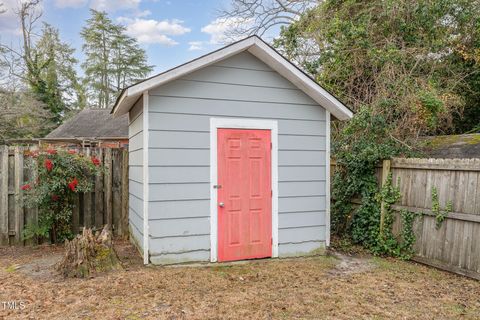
x,y
48,164
55,197
95,161
51,151
72,151
73,184
26,187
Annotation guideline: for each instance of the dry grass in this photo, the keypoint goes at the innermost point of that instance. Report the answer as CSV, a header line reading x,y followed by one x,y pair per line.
x,y
313,288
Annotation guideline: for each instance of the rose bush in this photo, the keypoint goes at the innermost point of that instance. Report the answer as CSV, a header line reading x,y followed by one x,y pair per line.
x,y
59,175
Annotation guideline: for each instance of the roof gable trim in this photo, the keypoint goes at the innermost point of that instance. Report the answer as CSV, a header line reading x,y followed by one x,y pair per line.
x,y
258,48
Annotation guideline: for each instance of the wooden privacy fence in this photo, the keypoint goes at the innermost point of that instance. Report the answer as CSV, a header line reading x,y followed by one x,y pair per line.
x,y
455,244
106,204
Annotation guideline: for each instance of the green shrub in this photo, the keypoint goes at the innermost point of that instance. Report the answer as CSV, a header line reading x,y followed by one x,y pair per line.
x,y
59,175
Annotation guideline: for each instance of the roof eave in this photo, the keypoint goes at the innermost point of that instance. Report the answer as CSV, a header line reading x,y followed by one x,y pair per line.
x,y
301,80
258,48
131,94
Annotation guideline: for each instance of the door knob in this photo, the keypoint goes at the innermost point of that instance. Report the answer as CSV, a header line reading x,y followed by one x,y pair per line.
x,y
221,204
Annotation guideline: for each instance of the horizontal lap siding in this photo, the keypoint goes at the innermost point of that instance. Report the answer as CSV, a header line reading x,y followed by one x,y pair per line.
x,y
135,148
179,156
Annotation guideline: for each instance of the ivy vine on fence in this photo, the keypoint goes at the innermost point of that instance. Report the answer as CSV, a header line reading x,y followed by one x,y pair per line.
x,y
363,143
439,214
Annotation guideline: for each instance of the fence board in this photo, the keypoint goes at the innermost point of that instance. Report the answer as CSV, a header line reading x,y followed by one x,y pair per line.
x,y
76,214
4,196
125,195
87,200
31,214
455,245
99,210
116,190
105,204
18,182
108,187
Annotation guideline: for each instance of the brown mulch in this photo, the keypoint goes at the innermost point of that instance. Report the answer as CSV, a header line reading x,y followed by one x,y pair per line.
x,y
336,287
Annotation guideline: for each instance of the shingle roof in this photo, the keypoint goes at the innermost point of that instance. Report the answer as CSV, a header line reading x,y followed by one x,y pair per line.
x,y
91,124
454,146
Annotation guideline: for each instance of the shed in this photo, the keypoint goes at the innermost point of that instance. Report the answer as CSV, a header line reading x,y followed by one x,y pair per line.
x,y
91,127
229,158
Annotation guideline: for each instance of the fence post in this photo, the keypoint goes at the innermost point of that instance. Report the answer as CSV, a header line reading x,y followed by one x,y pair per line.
x,y
4,196
385,172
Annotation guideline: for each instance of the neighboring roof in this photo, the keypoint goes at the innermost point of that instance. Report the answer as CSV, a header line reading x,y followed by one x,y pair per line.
x,y
462,146
92,124
258,48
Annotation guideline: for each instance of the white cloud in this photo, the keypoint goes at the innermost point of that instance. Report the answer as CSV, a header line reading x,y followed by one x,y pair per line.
x,y
70,3
113,5
219,28
144,13
101,5
195,45
153,31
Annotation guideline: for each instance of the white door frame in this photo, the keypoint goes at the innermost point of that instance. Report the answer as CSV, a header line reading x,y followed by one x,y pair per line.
x,y
241,123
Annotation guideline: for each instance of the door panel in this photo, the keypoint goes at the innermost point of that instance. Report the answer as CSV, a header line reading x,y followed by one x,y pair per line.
x,y
244,174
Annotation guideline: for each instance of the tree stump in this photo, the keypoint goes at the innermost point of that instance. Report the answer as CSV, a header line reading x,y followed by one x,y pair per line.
x,y
88,254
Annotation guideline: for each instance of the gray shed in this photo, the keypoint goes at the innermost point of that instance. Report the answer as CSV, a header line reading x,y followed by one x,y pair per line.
x,y
229,158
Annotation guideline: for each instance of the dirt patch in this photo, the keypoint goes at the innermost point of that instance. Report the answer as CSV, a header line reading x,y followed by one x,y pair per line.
x,y
304,288
348,264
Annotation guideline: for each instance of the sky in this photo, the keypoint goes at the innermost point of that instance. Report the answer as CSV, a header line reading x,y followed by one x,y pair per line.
x,y
172,32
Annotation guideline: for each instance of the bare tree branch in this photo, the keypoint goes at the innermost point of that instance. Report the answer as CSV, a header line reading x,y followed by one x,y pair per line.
x,y
259,16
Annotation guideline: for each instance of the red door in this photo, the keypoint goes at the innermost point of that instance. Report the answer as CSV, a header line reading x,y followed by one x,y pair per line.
x,y
244,195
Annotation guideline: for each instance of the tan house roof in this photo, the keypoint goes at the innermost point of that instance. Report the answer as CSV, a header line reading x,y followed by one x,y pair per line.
x,y
92,124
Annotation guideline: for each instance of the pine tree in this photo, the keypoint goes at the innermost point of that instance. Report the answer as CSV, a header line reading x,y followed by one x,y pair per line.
x,y
129,63
113,59
62,88
98,40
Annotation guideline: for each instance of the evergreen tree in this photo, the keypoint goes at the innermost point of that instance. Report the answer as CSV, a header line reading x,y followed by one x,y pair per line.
x,y
113,59
98,40
129,63
62,88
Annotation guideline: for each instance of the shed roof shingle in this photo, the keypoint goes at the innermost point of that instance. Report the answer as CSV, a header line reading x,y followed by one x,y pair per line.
x,y
92,123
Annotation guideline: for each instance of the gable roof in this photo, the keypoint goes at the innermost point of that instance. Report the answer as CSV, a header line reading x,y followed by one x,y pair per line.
x,y
92,124
259,49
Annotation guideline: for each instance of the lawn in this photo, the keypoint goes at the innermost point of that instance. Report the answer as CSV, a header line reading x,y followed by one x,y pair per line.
x,y
326,287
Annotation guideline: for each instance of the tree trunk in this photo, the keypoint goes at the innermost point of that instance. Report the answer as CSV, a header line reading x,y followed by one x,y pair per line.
x,y
88,254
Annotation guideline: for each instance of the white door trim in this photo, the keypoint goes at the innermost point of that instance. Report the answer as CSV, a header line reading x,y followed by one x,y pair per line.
x,y
241,123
